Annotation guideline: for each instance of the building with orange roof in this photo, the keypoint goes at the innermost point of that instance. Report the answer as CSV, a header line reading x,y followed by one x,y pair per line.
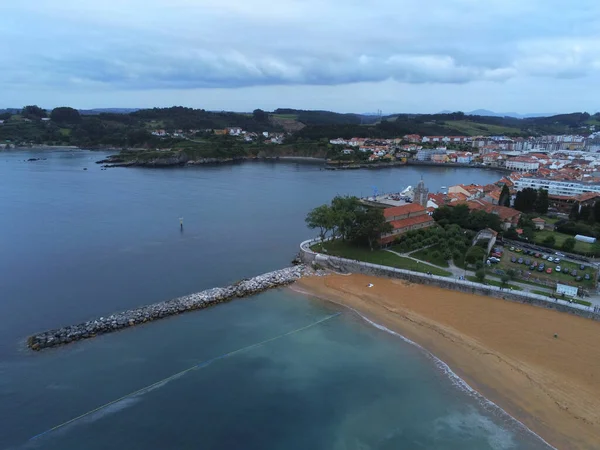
x,y
405,218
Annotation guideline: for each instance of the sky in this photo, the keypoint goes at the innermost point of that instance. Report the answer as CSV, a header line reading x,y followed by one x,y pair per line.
x,y
526,56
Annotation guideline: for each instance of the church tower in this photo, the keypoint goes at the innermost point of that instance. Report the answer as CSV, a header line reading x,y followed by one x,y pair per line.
x,y
420,194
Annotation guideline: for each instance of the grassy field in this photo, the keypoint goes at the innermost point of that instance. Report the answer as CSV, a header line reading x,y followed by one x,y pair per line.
x,y
65,131
475,129
582,247
347,250
427,255
494,283
565,278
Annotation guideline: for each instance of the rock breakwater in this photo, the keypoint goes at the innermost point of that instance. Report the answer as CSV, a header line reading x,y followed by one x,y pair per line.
x,y
137,316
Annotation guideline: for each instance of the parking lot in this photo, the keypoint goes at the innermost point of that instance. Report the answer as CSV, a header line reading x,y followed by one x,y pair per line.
x,y
531,264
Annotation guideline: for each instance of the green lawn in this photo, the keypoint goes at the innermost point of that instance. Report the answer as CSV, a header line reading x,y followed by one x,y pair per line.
x,y
285,116
475,129
427,255
582,247
348,250
65,131
551,220
565,278
494,283
574,300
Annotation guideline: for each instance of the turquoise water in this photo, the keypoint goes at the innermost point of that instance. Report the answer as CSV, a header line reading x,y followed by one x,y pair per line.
x,y
275,371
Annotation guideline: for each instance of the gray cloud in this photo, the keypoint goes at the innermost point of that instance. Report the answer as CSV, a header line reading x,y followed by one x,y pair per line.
x,y
186,44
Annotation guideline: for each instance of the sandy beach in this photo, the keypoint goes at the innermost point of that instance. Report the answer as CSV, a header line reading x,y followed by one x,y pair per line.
x,y
506,351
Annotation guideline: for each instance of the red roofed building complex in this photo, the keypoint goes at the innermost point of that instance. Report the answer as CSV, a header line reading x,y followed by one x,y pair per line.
x,y
509,217
405,218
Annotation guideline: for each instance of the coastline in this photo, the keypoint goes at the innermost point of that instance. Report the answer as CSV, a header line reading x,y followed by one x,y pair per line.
x,y
506,351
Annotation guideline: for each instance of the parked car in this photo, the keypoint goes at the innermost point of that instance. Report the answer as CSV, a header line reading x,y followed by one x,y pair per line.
x,y
544,257
543,266
587,276
494,260
527,262
574,273
550,259
512,249
582,267
538,255
532,267
559,254
513,259
549,270
566,270
558,269
497,255
556,260
520,261
540,268
578,278
534,263
519,250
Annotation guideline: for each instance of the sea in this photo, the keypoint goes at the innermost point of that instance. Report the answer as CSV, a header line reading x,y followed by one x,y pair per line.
x,y
277,370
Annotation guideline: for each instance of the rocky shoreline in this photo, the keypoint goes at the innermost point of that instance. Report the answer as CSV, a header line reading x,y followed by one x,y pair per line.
x,y
137,316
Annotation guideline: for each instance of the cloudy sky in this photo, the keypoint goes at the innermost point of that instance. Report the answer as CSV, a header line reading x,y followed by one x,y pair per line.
x,y
343,55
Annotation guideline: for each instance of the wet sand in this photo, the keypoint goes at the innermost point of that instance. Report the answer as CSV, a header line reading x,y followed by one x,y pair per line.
x,y
506,351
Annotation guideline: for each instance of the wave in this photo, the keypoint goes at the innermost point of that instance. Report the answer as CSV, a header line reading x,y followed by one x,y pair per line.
x,y
456,380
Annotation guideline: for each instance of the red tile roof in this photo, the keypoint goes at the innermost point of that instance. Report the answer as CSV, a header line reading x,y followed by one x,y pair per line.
x,y
404,223
409,208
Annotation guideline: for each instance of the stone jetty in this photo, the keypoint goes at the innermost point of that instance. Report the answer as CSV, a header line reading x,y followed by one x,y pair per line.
x,y
168,308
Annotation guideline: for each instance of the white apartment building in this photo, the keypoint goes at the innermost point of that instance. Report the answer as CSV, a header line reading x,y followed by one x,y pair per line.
x,y
523,164
555,187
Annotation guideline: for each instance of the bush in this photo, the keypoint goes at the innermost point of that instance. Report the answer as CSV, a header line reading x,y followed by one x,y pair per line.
x,y
550,241
569,244
480,274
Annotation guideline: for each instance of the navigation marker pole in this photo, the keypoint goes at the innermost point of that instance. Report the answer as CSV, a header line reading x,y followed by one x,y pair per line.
x,y
181,223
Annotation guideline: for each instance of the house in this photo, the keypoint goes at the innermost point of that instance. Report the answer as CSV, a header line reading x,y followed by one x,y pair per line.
x,y
45,119
405,218
235,131
488,235
539,223
509,217
1,122
160,133
438,158
470,191
464,157
338,141
220,132
347,151
413,138
265,134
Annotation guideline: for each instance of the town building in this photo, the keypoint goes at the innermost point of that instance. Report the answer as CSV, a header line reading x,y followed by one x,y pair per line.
x,y
564,203
539,223
567,188
522,164
404,218
509,217
235,131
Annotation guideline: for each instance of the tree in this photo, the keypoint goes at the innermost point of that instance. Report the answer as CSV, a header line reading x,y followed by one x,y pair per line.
x,y
511,233
597,212
322,218
480,275
370,225
33,112
504,196
541,202
474,255
511,273
505,279
260,116
549,241
65,115
574,214
525,200
344,212
569,244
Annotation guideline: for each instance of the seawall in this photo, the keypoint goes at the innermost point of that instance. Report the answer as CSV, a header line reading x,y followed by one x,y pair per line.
x,y
350,266
137,316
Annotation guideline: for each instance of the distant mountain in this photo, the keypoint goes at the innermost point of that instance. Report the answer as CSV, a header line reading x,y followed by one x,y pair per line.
x,y
89,112
488,113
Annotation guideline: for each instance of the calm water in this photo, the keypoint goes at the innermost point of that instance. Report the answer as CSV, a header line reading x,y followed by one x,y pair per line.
x,y
76,244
